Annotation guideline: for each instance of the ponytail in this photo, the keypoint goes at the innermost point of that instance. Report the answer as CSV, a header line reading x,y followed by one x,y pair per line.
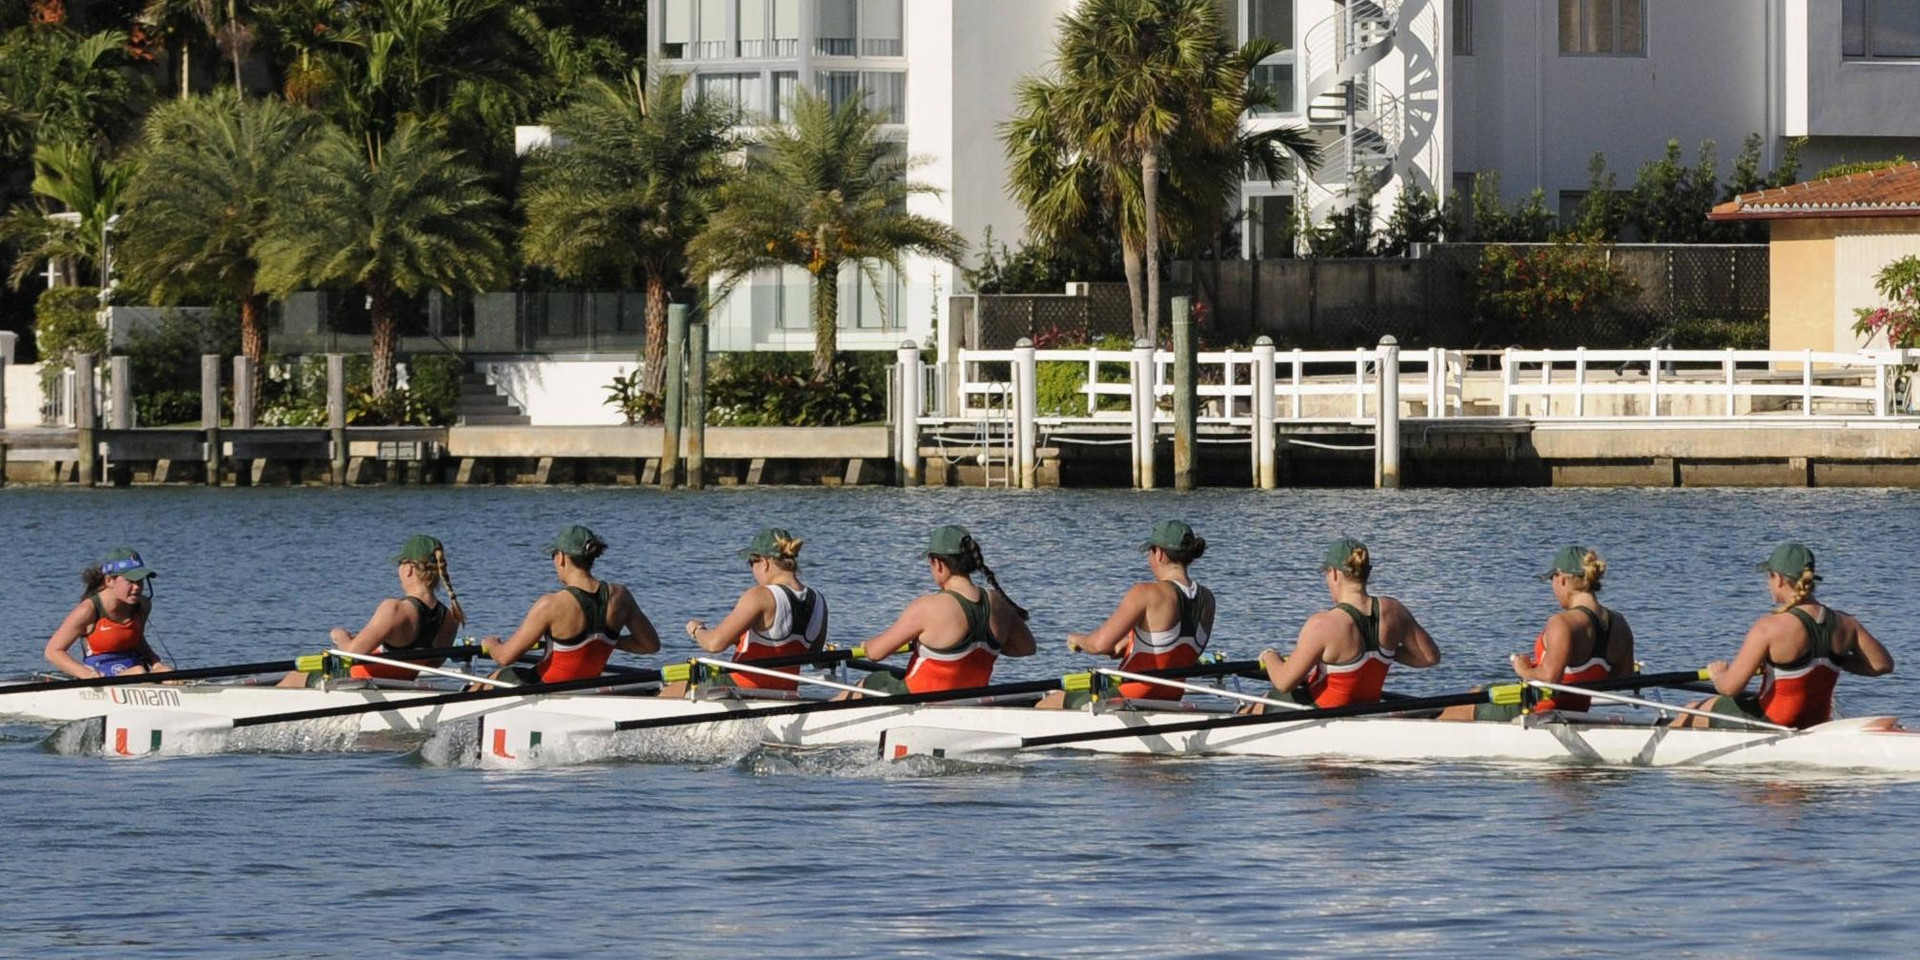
x,y
453,596
1359,564
974,558
1592,571
1191,548
94,578
786,553
1802,589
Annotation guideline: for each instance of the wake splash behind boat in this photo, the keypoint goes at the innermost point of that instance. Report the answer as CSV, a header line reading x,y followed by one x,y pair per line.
x,y
474,743
89,737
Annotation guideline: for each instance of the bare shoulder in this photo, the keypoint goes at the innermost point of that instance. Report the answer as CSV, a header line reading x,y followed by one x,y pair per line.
x,y
1392,609
1327,622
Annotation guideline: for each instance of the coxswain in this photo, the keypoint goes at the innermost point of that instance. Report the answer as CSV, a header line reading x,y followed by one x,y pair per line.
x,y
110,622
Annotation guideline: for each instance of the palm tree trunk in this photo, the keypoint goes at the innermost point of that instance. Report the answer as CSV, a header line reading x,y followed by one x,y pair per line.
x,y
385,341
253,337
655,360
186,64
233,47
1150,192
826,319
1130,262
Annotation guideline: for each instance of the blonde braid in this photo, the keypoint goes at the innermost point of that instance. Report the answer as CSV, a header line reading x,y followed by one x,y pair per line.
x,y
453,596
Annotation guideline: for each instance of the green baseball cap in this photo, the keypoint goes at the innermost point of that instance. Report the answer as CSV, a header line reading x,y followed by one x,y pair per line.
x,y
1169,535
1570,560
1337,553
574,541
1789,560
419,548
124,562
948,541
766,543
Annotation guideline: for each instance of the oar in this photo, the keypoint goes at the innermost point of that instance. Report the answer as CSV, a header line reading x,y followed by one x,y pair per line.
x,y
1201,688
210,673
903,741
1662,707
319,661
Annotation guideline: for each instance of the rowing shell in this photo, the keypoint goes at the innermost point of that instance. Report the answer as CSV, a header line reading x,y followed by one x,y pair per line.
x,y
557,728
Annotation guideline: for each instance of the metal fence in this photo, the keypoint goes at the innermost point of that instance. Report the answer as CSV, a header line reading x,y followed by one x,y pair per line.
x,y
998,321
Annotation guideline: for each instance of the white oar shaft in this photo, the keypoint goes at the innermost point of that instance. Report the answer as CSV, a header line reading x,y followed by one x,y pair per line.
x,y
1662,707
780,675
436,671
1203,688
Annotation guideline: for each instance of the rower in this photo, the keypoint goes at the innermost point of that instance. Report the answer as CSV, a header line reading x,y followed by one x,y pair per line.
x,y
1800,649
416,622
110,622
1343,653
1581,643
960,630
582,623
778,617
1160,624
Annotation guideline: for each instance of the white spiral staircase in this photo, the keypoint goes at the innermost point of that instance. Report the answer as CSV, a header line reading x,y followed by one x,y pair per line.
x,y
1358,125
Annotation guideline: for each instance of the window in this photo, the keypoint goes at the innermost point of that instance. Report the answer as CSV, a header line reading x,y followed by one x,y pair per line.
x,y
751,16
886,93
1275,75
786,28
785,85
676,33
880,28
1880,29
1603,28
712,30
1273,20
1463,28
739,89
833,34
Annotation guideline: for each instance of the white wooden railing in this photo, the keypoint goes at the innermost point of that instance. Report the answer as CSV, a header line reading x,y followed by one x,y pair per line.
x,y
1669,376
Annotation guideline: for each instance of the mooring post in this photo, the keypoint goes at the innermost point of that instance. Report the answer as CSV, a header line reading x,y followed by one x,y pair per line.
x,y
697,402
337,414
1144,399
1386,440
243,393
120,393
1185,399
906,416
1025,407
675,394
1265,447
6,357
85,415
210,414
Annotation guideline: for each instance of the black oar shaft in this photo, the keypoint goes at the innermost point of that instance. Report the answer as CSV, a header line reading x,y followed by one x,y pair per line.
x,y
208,673
1408,704
829,706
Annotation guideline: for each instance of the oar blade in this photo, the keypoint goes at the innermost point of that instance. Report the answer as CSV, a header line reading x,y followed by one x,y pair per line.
x,y
899,743
528,735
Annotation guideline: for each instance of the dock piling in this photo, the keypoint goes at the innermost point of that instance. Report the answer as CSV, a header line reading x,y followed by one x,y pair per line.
x,y
1185,414
906,420
697,402
210,414
1143,400
85,415
675,394
1265,473
337,415
1386,438
1025,408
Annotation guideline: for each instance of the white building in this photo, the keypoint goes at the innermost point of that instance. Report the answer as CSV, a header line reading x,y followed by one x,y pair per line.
x,y
1423,91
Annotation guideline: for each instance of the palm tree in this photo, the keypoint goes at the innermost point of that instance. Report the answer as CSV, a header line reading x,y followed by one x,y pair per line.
x,y
206,191
76,178
820,193
632,175
394,221
1146,97
56,84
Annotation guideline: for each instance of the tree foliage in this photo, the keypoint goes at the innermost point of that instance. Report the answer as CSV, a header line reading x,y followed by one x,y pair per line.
x,y
1898,321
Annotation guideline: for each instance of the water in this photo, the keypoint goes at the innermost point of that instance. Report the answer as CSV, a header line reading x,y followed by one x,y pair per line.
x,y
758,853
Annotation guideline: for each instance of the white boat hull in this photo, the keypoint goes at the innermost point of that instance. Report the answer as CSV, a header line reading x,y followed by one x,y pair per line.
x,y
1871,744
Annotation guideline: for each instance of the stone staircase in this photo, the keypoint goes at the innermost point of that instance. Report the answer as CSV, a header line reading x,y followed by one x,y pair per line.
x,y
481,405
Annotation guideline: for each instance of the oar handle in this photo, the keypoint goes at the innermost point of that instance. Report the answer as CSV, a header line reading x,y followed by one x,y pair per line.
x,y
193,673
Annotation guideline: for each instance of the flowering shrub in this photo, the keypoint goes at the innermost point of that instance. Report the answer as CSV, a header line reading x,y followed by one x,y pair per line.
x,y
1899,321
1533,296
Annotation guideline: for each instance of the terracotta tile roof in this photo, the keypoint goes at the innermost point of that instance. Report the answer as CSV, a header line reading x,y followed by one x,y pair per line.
x,y
1889,192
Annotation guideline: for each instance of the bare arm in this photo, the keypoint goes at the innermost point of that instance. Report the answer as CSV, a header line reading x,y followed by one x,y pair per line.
x,y
1417,648
1016,640
1556,644
385,624
1731,678
641,637
1288,672
71,630
751,611
538,621
1107,637
904,630
1869,657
